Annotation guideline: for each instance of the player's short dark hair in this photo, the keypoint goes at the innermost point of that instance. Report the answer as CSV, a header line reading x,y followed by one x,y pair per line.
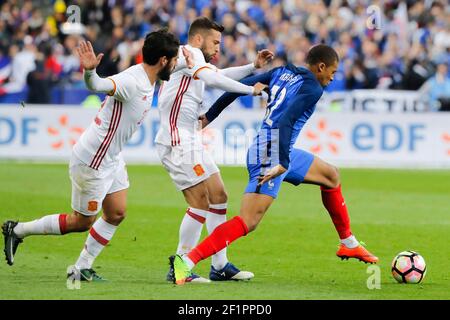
x,y
203,24
158,44
322,53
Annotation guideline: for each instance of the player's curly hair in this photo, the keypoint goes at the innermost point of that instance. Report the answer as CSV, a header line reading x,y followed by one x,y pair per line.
x,y
322,53
158,44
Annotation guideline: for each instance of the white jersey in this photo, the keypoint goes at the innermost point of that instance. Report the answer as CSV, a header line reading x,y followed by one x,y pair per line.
x,y
180,101
119,117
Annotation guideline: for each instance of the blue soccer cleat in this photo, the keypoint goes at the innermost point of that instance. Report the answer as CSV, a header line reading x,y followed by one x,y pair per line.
x,y
229,272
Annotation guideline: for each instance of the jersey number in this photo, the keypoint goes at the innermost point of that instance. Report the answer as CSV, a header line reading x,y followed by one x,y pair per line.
x,y
274,103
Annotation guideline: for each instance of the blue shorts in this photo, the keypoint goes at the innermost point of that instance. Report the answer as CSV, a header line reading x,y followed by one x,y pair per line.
x,y
298,168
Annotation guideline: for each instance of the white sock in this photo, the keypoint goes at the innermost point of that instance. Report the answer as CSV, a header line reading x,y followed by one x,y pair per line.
x,y
45,225
188,261
350,242
191,229
99,236
216,216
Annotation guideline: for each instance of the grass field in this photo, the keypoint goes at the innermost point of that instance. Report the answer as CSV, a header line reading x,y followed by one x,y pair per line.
x,y
292,253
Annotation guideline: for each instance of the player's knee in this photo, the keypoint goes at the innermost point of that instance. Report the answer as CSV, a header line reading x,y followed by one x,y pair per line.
x,y
117,217
332,177
201,202
219,197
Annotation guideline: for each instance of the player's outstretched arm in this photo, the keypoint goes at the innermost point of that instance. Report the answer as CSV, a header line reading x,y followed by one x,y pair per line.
x,y
219,81
236,73
89,61
226,99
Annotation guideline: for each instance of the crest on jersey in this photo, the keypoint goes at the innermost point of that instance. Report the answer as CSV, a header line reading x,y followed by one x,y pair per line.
x,y
92,205
199,171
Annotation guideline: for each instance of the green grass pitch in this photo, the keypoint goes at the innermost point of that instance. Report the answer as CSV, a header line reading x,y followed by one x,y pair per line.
x,y
292,253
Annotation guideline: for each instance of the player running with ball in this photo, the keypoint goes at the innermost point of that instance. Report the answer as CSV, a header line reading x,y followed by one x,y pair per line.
x,y
272,159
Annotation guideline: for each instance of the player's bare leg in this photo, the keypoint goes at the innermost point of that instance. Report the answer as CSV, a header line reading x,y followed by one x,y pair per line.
x,y
56,224
221,268
327,177
114,212
253,208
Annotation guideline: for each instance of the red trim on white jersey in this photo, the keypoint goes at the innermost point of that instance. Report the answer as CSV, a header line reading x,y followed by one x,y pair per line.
x,y
184,85
113,125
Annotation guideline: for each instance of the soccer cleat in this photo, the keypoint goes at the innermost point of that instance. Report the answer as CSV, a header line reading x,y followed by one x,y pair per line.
x,y
195,278
229,272
12,241
360,253
88,275
181,270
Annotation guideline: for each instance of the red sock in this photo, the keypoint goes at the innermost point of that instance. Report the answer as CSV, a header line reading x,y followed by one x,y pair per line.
x,y
222,236
63,223
334,202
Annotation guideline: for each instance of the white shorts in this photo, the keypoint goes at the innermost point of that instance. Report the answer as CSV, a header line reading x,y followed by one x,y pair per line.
x,y
90,186
187,165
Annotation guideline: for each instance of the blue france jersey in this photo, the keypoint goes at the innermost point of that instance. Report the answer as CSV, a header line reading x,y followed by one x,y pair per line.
x,y
294,92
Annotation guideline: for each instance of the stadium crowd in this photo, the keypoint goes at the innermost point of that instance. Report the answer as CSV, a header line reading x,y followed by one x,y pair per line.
x,y
382,44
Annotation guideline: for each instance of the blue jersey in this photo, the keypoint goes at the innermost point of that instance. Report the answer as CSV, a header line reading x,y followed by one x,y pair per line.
x,y
294,92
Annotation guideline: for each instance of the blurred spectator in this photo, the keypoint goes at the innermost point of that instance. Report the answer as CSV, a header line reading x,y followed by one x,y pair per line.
x,y
39,83
22,63
395,51
436,90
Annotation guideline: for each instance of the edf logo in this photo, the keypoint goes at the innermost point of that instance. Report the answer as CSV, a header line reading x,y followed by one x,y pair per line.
x,y
9,130
387,137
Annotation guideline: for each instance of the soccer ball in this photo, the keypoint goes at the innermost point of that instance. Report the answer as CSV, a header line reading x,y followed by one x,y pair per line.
x,y
409,267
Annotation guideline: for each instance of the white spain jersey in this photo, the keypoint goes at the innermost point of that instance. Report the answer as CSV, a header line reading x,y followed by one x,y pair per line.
x,y
119,117
179,103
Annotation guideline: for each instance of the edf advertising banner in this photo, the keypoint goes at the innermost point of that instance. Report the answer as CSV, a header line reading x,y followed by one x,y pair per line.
x,y
357,139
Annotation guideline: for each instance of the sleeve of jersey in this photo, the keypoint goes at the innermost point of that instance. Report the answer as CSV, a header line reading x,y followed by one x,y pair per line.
x,y
226,99
95,83
237,73
124,86
216,80
306,97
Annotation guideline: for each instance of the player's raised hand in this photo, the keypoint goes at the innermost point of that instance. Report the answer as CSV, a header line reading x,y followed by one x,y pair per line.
x,y
263,57
258,88
271,174
88,60
189,57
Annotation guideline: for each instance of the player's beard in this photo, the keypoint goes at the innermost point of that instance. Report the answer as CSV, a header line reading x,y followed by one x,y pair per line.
x,y
164,73
207,57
